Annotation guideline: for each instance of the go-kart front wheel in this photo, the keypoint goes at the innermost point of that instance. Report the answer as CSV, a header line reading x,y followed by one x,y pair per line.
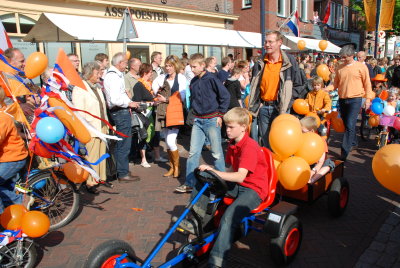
x,y
105,255
338,196
285,247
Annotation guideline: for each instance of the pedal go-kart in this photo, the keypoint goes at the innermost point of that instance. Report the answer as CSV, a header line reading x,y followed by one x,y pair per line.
x,y
276,219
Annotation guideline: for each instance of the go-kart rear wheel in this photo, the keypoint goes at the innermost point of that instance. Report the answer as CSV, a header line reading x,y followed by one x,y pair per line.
x,y
105,255
285,247
338,196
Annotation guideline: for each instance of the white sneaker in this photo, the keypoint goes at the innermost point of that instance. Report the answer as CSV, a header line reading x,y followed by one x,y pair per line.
x,y
145,165
161,160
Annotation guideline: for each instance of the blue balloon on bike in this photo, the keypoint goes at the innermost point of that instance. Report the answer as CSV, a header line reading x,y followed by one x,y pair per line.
x,y
50,130
378,100
377,108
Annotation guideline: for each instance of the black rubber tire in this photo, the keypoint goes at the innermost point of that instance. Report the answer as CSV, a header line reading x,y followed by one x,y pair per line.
x,y
285,247
108,249
65,198
28,250
338,196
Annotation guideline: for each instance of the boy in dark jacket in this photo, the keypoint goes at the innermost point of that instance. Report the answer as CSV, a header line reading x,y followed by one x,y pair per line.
x,y
233,86
209,100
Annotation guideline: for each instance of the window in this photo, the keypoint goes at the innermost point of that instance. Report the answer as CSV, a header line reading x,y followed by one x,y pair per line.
x,y
51,50
26,24
281,8
90,50
293,6
339,16
346,19
304,10
216,52
195,49
332,18
9,22
176,50
246,3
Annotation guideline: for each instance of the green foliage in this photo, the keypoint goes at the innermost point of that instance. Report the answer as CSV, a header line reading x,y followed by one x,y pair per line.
x,y
396,18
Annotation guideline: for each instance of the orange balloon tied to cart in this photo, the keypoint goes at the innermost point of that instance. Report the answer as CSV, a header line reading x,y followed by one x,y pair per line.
x,y
12,217
312,148
285,138
294,173
386,167
75,173
35,224
301,44
284,117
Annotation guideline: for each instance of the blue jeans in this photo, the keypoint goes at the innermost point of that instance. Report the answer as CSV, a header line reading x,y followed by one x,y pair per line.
x,y
122,120
265,116
9,174
349,109
246,200
201,129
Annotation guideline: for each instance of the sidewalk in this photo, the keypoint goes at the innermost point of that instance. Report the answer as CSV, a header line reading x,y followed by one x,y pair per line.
x,y
327,242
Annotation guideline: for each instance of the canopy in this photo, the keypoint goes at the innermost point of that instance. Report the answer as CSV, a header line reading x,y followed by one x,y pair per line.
x,y
312,44
70,28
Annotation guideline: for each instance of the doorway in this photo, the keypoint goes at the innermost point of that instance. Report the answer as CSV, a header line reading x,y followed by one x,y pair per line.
x,y
140,52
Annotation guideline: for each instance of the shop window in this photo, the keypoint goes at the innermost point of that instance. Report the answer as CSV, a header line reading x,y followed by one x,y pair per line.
x,y
281,8
26,24
195,49
10,23
140,52
216,52
51,50
176,50
90,50
246,3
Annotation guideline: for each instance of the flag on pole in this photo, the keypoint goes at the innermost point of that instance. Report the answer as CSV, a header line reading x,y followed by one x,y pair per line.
x,y
127,29
4,39
327,13
294,24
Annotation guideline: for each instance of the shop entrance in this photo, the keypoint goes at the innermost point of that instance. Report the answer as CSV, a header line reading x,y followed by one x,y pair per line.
x,y
140,52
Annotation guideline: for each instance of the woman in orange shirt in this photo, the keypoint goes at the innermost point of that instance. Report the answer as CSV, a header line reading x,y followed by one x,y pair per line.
x,y
13,154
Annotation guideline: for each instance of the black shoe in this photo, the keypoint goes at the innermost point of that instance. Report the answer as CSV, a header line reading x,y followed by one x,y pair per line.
x,y
91,190
106,184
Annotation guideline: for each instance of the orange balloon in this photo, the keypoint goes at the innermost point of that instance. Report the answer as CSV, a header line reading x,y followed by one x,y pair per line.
x,y
301,44
35,223
35,64
386,167
323,44
75,173
285,138
373,121
294,173
312,148
128,54
300,106
331,115
326,77
284,117
323,71
12,217
337,124
277,160
384,95
315,116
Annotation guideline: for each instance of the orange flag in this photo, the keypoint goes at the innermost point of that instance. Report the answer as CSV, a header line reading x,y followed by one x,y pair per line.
x,y
15,110
68,69
386,18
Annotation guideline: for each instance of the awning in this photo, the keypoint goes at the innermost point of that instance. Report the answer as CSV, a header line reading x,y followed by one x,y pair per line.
x,y
311,44
70,28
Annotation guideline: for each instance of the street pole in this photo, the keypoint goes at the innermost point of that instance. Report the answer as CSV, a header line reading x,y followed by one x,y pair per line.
x,y
378,14
262,24
125,28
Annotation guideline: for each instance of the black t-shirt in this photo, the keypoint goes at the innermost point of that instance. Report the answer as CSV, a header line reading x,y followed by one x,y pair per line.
x,y
233,86
140,93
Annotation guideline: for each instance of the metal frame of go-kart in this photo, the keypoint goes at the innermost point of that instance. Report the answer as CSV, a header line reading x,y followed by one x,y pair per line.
x,y
279,216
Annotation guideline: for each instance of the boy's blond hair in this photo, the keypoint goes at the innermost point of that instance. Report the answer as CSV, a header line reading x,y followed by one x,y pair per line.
x,y
317,80
237,115
236,71
310,123
197,58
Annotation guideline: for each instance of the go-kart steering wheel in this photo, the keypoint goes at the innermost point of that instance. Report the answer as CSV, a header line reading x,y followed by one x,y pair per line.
x,y
217,186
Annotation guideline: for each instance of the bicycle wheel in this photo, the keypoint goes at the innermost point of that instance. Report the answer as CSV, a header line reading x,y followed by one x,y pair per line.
x,y
20,253
57,197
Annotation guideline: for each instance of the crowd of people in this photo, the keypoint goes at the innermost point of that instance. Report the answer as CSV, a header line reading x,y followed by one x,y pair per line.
x,y
148,102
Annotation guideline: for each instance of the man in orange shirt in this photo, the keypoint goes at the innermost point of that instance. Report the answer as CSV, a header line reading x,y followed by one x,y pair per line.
x,y
13,155
276,82
353,83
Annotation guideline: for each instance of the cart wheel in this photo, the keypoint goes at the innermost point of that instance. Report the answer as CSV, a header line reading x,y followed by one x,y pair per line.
x,y
105,255
338,196
285,247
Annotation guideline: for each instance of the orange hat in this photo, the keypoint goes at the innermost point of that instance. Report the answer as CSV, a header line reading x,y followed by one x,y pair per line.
x,y
379,78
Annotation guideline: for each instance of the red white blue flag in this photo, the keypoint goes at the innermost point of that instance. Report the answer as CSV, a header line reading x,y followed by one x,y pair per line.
x,y
4,39
294,24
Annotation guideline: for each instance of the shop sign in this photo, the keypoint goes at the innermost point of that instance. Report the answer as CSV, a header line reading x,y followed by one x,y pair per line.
x,y
138,14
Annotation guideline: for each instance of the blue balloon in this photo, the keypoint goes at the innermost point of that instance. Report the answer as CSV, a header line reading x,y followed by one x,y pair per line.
x,y
377,100
377,107
50,130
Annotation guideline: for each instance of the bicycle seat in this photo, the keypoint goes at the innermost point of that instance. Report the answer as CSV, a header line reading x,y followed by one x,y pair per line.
x,y
273,179
217,186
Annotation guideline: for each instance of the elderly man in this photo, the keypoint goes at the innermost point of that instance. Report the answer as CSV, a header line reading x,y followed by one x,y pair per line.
x,y
119,103
276,82
131,77
353,82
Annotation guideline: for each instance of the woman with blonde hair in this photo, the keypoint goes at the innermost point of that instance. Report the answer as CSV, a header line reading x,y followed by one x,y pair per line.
x,y
170,89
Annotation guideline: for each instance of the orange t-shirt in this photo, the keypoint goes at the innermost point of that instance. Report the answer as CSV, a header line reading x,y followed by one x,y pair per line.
x,y
12,147
269,85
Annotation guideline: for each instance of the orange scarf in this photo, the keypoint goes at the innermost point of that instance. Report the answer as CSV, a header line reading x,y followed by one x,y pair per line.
x,y
146,84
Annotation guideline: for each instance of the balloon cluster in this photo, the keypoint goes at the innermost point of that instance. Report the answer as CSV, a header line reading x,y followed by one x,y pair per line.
x,y
294,151
33,223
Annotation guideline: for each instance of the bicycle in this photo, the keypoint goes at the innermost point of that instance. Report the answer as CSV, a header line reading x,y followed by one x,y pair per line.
x,y
385,136
16,250
50,192
366,131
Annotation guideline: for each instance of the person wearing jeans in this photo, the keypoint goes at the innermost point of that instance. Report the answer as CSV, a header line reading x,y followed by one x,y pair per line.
x,y
353,83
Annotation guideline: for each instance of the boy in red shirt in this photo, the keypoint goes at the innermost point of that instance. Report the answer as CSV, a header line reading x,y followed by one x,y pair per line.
x,y
247,172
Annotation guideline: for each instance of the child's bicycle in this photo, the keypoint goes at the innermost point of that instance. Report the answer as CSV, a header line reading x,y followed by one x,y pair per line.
x,y
386,134
17,250
50,192
274,218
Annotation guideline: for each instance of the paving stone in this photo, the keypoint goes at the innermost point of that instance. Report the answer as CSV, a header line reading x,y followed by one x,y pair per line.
x,y
377,246
386,228
370,256
386,260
